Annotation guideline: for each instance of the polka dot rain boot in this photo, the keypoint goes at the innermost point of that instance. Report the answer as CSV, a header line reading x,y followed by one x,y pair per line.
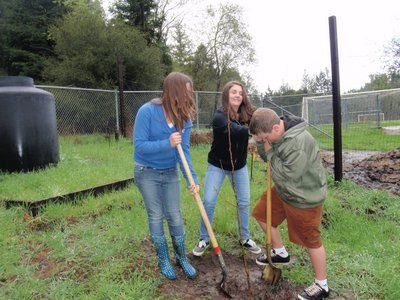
x,y
160,243
180,255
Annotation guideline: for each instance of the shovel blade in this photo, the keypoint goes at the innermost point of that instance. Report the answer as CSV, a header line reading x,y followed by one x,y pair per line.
x,y
271,274
224,290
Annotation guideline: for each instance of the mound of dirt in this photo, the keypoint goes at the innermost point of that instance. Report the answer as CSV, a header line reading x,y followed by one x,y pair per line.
x,y
209,275
239,283
369,169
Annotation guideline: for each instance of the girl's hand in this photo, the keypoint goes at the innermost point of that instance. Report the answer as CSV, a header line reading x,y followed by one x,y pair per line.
x,y
194,189
175,139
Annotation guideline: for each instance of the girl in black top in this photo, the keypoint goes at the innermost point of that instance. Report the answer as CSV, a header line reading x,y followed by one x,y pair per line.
x,y
227,157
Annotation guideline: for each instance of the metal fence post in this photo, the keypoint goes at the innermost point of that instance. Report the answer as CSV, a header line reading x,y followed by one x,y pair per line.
x,y
197,109
378,111
117,132
345,112
337,112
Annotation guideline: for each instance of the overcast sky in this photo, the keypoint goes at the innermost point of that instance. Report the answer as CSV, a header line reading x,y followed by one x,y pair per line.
x,y
291,36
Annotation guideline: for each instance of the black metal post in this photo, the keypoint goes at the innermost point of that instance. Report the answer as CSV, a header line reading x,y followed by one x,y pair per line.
x,y
122,118
337,113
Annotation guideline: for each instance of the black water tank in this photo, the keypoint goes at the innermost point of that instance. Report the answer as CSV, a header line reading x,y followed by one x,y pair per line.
x,y
28,128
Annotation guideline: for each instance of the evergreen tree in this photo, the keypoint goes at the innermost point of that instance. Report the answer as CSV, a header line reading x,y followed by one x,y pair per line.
x,y
87,49
24,43
149,17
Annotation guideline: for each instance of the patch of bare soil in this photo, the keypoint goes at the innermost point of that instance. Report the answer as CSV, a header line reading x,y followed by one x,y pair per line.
x,y
206,284
209,276
370,169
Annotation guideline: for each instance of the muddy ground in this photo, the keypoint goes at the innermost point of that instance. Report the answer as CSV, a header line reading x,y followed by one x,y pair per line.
x,y
374,170
239,284
369,169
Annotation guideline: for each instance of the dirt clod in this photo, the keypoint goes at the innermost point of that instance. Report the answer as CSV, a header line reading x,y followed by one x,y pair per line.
x,y
369,169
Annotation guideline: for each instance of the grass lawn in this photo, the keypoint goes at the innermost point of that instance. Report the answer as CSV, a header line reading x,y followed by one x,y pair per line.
x,y
85,161
91,249
359,136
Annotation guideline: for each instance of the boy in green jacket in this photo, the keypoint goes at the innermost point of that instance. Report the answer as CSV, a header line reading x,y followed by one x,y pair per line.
x,y
298,194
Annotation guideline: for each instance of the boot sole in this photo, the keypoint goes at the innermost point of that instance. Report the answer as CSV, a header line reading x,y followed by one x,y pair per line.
x,y
198,254
254,252
277,264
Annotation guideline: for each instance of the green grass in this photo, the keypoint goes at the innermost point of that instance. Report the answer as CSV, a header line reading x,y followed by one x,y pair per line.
x,y
85,161
92,249
359,136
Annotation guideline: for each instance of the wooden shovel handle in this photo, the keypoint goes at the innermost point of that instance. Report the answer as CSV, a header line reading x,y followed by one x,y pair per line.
x,y
268,205
199,202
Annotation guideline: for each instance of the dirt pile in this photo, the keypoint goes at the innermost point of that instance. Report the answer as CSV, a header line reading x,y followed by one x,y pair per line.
x,y
369,169
239,285
200,137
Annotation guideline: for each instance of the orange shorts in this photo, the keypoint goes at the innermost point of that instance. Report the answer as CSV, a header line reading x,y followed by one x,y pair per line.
x,y
303,223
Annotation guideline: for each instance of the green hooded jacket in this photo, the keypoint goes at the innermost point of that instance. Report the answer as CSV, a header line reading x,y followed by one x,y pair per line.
x,y
296,167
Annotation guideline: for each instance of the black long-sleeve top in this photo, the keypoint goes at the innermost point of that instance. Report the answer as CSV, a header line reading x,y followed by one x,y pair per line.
x,y
219,155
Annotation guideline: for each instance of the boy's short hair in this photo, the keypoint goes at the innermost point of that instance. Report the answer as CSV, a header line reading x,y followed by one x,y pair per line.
x,y
263,120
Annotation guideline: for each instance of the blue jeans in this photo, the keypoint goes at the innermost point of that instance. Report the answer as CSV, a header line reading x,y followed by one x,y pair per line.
x,y
161,194
214,180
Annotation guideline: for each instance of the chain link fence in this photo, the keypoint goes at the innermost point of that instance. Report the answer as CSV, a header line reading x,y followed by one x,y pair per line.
x,y
370,120
358,109
88,111
84,111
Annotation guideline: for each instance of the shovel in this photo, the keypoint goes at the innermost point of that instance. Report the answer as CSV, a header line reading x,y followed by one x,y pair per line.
x,y
217,250
271,273
251,166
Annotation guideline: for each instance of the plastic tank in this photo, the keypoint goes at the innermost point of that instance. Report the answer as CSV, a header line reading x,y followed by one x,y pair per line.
x,y
28,126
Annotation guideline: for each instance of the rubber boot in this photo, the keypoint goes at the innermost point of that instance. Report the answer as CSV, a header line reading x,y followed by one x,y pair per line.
x,y
160,243
180,255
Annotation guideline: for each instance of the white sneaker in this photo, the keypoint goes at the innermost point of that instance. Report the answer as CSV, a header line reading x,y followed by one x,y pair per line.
x,y
200,248
251,246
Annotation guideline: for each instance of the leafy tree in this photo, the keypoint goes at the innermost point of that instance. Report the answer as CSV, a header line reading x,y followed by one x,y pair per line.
x,y
377,82
285,89
24,44
317,84
87,49
382,82
181,48
200,68
140,14
392,56
307,83
152,18
229,44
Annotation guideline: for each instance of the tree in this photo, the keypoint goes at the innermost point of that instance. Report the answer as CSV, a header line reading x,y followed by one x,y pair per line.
x,y
307,83
285,89
229,44
382,82
153,18
87,49
139,14
168,15
200,68
24,44
181,47
377,82
392,56
317,84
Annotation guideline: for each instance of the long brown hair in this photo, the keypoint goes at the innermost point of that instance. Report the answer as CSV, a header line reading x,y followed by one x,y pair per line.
x,y
245,110
177,100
